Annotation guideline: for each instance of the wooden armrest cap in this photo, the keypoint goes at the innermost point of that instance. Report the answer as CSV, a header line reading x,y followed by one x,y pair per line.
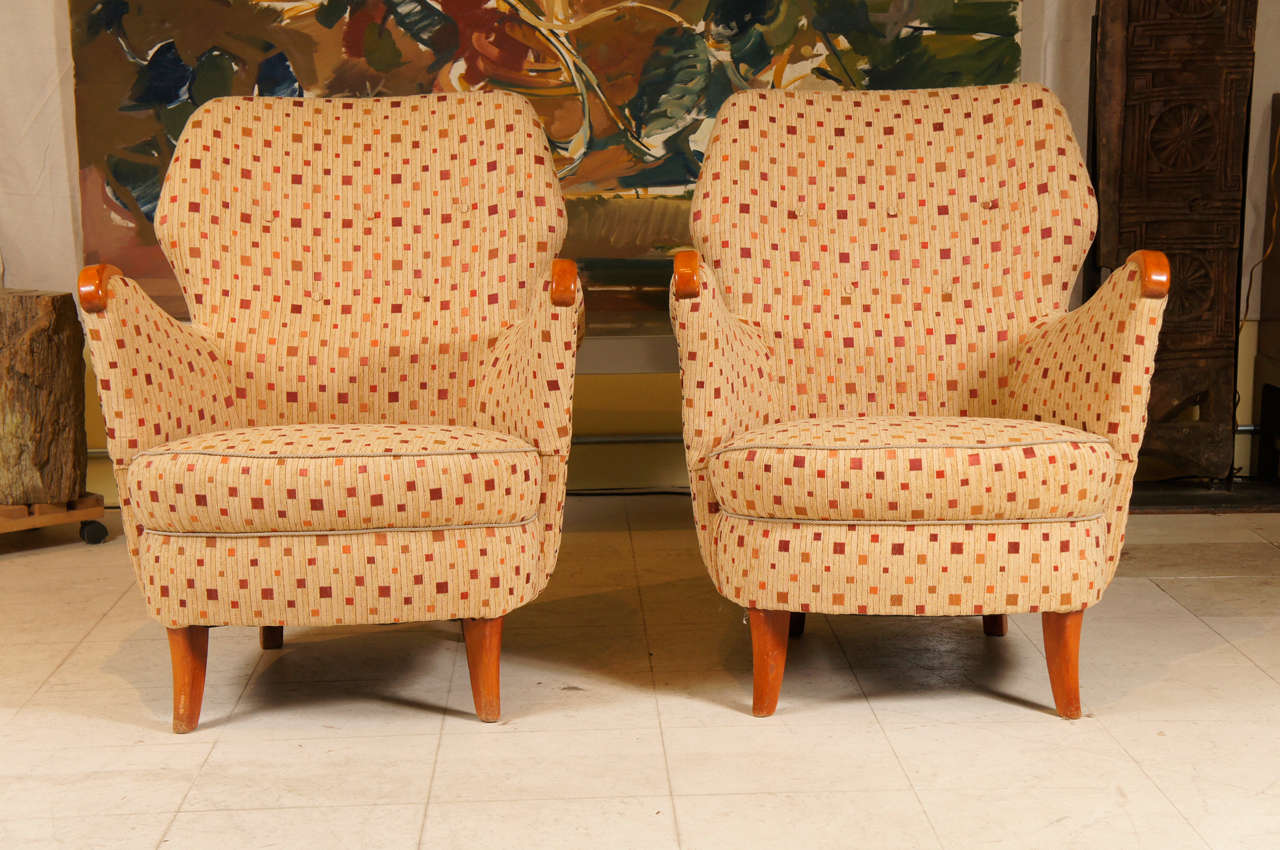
x,y
1154,267
91,286
685,283
564,282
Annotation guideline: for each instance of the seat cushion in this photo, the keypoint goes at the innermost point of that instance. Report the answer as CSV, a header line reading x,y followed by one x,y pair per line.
x,y
317,478
913,469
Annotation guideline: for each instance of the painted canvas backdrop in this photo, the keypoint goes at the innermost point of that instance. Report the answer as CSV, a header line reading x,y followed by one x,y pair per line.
x,y
625,90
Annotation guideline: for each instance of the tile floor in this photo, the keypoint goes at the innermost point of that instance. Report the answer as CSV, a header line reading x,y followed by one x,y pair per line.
x,y
626,696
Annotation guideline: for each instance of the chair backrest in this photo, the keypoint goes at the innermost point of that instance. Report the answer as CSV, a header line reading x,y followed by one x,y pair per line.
x,y
893,245
356,257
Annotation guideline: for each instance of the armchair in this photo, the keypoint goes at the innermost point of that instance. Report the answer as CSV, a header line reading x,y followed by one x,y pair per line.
x,y
369,416
887,407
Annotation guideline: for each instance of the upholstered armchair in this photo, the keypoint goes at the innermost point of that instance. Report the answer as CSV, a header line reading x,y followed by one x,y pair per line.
x,y
368,418
887,407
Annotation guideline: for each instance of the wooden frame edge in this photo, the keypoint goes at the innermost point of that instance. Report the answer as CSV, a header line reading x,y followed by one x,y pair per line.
x,y
91,286
564,282
684,281
1153,266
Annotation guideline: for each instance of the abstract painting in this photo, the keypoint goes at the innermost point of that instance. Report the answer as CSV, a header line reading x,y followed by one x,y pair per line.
x,y
625,90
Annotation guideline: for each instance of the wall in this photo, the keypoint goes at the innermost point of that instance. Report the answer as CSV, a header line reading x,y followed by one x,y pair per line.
x,y
39,218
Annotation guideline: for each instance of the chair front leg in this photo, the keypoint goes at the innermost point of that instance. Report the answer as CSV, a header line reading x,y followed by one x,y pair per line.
x,y
484,647
188,653
1062,652
769,631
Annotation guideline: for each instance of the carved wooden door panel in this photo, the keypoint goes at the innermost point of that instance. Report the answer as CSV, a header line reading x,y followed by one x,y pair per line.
x,y
1170,135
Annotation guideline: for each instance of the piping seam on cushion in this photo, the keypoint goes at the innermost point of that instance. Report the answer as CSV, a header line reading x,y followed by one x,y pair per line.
x,y
334,456
908,446
382,530
912,522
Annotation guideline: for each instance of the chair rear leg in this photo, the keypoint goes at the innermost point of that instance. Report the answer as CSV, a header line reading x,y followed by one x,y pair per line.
x,y
484,646
271,637
768,657
1062,652
188,653
995,625
797,624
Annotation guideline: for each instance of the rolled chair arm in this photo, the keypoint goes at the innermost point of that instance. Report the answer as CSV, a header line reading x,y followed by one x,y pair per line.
x,y
564,283
91,286
158,378
526,387
1091,368
726,365
684,281
1153,267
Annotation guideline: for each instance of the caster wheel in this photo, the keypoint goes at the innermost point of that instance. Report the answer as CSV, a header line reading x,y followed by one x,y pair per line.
x,y
92,531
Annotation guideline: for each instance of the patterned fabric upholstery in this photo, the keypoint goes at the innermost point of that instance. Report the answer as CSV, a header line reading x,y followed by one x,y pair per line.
x,y
904,469
892,270
335,478
908,568
368,418
345,578
358,258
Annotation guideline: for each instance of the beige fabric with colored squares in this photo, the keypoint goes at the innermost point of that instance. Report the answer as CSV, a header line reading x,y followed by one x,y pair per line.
x,y
368,418
887,408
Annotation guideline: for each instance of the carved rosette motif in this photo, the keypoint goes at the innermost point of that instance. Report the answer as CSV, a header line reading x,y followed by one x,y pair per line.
x,y
1183,137
1191,292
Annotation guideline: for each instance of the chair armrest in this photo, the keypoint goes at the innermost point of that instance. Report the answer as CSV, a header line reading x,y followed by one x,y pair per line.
x,y
728,382
1091,369
526,388
158,379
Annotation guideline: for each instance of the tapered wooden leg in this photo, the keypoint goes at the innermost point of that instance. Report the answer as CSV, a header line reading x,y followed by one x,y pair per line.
x,y
1062,651
484,646
797,624
271,637
188,653
768,657
995,625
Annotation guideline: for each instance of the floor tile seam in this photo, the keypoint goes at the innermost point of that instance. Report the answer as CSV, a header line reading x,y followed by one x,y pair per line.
x,y
1200,577
299,807
653,676
17,748
125,688
576,728
325,738
806,792
915,792
551,799
195,777
82,816
1273,543
164,834
185,794
435,758
1154,784
1224,638
72,650
1239,650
